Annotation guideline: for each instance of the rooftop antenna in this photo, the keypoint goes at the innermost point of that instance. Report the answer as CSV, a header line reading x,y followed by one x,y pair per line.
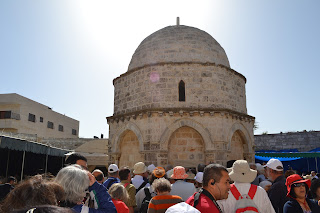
x,y
178,21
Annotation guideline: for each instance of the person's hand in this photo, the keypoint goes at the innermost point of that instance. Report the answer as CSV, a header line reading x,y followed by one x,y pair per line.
x,y
92,179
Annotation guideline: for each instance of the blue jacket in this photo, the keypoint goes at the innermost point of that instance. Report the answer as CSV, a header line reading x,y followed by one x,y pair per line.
x,y
292,206
113,179
103,199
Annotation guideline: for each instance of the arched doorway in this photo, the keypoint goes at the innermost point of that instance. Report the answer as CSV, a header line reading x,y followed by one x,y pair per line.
x,y
236,146
129,150
186,148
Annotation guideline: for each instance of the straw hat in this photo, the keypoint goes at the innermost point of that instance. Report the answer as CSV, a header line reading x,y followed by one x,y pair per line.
x,y
191,175
179,173
139,168
241,172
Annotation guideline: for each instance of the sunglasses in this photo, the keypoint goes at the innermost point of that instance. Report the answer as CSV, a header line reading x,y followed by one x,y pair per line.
x,y
298,184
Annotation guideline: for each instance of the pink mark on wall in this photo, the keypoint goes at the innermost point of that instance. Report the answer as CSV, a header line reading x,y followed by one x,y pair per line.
x,y
154,77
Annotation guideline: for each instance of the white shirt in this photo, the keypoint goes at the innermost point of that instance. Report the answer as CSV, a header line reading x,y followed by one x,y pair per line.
x,y
137,180
261,199
183,189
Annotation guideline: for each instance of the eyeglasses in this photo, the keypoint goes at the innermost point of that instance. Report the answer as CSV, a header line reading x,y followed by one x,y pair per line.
x,y
298,184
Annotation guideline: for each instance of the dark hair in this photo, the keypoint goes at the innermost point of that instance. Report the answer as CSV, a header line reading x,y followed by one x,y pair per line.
x,y
201,167
72,159
153,178
212,171
33,192
288,173
124,173
11,179
292,194
315,184
46,209
100,177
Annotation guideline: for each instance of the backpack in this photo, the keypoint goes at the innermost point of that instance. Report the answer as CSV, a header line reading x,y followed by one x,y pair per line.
x,y
244,202
110,183
146,201
206,193
141,186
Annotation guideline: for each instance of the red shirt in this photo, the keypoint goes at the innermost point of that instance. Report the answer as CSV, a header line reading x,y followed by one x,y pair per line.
x,y
120,206
205,204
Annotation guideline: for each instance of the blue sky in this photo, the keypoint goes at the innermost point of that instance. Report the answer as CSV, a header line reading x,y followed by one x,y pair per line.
x,y
65,54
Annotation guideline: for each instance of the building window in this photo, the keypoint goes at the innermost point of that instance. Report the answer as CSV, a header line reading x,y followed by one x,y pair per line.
x,y
5,114
50,125
182,91
60,128
74,132
41,119
32,117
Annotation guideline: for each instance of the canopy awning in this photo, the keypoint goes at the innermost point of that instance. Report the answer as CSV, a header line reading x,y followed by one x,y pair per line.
x,y
289,154
28,146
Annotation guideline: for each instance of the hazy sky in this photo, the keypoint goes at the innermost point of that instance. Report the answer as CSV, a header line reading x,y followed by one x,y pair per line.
x,y
65,53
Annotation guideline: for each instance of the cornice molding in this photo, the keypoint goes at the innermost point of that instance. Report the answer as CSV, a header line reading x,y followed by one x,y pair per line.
x,y
180,63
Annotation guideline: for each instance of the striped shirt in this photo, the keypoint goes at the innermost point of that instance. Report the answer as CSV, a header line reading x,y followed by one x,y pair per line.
x,y
160,203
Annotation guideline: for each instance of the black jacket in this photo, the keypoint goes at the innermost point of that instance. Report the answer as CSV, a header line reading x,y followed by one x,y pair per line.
x,y
278,194
4,190
292,206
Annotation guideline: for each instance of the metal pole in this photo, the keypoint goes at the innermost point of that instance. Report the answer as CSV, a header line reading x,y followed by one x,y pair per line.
x,y
316,164
8,163
24,155
46,169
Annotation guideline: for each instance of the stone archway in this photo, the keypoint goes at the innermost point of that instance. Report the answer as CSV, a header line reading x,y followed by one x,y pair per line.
x,y
129,149
237,145
238,135
186,148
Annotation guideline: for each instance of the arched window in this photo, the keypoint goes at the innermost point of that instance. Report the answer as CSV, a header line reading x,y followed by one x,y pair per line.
x,y
182,91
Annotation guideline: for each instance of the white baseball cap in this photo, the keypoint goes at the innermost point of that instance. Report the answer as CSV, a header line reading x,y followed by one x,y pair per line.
x,y
274,164
113,168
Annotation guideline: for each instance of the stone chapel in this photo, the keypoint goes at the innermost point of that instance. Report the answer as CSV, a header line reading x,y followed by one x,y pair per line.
x,y
180,103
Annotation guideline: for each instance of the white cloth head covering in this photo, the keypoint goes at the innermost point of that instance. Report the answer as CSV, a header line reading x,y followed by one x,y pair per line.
x,y
199,177
151,167
182,208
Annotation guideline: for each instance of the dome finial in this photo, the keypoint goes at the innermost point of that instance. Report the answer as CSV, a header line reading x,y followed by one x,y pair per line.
x,y
178,21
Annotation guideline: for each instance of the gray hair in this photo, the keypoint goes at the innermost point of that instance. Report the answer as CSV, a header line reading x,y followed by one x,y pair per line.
x,y
117,191
161,185
75,181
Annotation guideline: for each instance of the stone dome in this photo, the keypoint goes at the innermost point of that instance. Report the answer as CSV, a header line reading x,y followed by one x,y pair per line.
x,y
178,44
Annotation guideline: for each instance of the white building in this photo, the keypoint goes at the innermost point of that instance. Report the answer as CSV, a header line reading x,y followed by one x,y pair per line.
x,y
22,115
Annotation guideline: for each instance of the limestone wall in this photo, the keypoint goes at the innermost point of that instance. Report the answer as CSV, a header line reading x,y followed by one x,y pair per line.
x,y
303,141
156,87
154,132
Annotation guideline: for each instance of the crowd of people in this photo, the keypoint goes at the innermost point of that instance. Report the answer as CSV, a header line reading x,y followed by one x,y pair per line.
x,y
210,188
